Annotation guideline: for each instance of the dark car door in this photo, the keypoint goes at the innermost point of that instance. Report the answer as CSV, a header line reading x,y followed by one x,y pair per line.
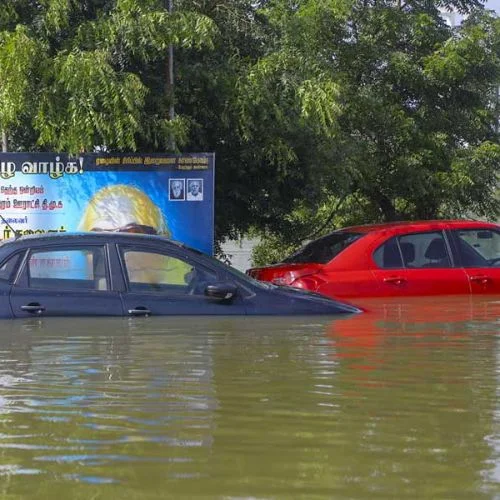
x,y
479,250
69,280
164,281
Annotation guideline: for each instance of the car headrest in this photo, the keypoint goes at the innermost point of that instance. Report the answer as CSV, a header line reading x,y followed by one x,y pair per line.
x,y
436,250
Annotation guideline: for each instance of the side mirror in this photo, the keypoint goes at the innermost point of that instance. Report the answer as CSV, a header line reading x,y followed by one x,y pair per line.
x,y
222,291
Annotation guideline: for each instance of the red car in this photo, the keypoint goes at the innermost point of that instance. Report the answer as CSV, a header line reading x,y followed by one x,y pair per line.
x,y
441,257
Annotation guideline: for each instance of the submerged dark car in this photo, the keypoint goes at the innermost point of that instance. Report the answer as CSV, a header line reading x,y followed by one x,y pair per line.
x,y
122,274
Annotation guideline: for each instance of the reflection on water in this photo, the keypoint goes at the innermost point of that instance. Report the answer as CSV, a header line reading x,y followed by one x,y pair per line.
x,y
401,401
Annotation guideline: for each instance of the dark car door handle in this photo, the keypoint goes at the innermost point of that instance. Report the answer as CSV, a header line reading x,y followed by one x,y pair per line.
x,y
395,280
33,308
139,311
482,280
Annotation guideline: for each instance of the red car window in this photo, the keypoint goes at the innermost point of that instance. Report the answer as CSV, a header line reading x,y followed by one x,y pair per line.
x,y
431,249
388,256
479,247
323,249
414,250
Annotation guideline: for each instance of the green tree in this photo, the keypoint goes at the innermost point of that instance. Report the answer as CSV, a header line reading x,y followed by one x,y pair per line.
x,y
207,92
259,178
88,64
320,112
379,102
17,61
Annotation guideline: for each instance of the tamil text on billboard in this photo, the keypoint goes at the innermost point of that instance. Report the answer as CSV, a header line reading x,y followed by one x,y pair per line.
x,y
171,195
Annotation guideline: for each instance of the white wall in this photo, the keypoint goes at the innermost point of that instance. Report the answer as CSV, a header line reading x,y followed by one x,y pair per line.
x,y
240,252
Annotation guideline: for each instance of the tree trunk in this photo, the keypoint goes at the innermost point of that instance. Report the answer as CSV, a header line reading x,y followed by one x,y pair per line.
x,y
428,210
387,208
4,141
169,86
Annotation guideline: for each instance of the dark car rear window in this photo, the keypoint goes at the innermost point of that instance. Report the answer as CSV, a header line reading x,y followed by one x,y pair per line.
x,y
324,249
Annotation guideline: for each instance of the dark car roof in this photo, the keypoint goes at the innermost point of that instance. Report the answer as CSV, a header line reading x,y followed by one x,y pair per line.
x,y
457,223
42,238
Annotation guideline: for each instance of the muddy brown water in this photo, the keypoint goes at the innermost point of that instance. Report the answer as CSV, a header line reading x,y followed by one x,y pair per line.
x,y
399,402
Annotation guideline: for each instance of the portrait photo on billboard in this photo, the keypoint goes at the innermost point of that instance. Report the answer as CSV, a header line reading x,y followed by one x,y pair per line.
x,y
177,190
194,190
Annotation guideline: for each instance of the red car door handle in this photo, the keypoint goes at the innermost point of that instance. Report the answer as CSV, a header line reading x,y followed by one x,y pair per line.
x,y
482,280
395,280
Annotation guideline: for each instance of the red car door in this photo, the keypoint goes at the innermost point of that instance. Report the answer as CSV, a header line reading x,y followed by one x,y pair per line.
x,y
479,251
349,284
390,272
419,264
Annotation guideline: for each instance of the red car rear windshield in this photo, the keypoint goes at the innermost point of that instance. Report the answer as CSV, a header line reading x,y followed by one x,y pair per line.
x,y
324,249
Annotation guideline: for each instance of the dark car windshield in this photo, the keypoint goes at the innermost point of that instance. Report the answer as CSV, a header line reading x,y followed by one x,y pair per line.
x,y
324,249
229,269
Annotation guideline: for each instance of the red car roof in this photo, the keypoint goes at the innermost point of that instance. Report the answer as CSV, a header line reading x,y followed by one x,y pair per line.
x,y
456,223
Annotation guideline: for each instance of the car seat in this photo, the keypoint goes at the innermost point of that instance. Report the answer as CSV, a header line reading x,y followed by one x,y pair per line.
x,y
437,254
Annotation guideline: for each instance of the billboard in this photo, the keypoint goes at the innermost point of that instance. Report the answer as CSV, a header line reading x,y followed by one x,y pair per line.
x,y
171,195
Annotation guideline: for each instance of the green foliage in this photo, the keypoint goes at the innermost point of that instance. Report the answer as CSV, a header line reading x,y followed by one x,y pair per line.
x,y
270,250
321,112
306,224
56,14
94,82
411,130
409,127
88,103
17,60
138,30
473,181
7,14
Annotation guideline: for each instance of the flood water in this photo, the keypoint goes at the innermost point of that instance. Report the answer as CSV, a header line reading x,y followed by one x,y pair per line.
x,y
399,402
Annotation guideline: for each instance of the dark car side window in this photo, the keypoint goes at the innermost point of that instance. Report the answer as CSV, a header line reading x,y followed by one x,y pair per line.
x,y
68,269
158,272
388,255
324,249
8,268
414,251
478,247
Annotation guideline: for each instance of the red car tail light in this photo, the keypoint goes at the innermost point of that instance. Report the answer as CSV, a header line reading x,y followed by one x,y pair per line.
x,y
285,280
288,277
